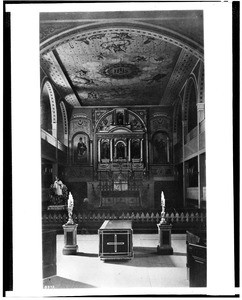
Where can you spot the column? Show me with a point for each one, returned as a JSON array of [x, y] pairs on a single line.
[[184, 131], [200, 112], [54, 130], [129, 150], [141, 149], [91, 149], [168, 149], [200, 117], [99, 150], [95, 155], [147, 151], [54, 133], [115, 151], [111, 149]]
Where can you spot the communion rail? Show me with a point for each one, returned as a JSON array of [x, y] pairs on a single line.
[[142, 222]]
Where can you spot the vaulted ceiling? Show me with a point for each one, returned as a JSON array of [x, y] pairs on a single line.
[[120, 59]]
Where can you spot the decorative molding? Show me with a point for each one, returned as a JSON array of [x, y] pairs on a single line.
[[99, 113], [160, 123], [201, 83], [181, 71], [51, 67], [81, 124], [64, 116], [74, 116], [51, 29], [85, 34]]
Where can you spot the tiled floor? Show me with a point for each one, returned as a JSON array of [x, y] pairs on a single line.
[[146, 269]]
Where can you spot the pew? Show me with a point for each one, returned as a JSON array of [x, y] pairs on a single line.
[[49, 252], [196, 258]]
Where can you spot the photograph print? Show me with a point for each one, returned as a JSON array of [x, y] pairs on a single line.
[[123, 149]]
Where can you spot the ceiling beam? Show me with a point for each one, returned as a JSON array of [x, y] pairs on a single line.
[[63, 69]]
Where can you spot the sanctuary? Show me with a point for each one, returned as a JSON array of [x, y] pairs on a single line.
[[123, 120]]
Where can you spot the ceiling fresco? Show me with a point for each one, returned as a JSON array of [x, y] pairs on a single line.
[[117, 66]]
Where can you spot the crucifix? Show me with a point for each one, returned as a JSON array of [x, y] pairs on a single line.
[[115, 243]]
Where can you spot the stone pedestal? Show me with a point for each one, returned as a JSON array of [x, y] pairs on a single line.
[[164, 247], [70, 234]]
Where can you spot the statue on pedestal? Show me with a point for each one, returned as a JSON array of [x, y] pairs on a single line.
[[164, 230], [163, 203], [70, 205], [70, 230]]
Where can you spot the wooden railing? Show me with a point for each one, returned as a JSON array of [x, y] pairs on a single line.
[[61, 218]]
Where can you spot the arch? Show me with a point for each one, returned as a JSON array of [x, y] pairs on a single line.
[[201, 83], [139, 27], [65, 122], [47, 87], [99, 122], [189, 103], [105, 149], [120, 130], [120, 149]]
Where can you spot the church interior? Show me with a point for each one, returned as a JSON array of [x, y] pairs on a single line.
[[123, 123]]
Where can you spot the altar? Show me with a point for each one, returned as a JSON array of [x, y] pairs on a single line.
[[116, 240], [114, 198]]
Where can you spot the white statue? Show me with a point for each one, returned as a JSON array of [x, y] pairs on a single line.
[[58, 186], [70, 205], [163, 204]]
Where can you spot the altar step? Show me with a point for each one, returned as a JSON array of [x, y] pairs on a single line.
[[146, 269]]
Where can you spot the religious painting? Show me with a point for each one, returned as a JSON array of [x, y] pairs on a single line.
[[105, 149], [80, 148], [120, 150], [160, 143]]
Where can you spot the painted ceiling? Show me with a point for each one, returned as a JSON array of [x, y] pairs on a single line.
[[121, 66]]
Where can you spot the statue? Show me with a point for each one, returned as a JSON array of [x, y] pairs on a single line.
[[58, 186], [58, 193], [70, 205], [163, 203]]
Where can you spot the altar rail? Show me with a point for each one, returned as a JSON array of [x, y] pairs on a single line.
[[142, 222]]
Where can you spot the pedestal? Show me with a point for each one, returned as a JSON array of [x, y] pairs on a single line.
[[70, 233], [164, 247]]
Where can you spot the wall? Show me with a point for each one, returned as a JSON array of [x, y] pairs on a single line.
[[171, 193]]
